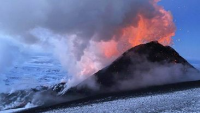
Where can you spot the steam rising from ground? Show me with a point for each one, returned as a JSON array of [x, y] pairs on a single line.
[[86, 35]]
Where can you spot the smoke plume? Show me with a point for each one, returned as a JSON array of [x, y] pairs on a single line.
[[86, 35]]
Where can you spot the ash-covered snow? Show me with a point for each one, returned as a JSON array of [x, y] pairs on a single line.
[[176, 102], [29, 105]]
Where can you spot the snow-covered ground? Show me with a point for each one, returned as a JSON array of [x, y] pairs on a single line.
[[37, 70], [177, 102]]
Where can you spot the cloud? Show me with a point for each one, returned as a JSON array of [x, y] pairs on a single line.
[[86, 29]]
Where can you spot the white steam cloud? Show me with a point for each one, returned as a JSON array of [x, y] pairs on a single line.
[[86, 34]]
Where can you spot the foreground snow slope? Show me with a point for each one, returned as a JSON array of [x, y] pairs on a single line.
[[179, 102]]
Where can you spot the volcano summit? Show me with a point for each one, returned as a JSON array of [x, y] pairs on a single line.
[[142, 66]]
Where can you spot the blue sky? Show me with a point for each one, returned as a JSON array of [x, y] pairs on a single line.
[[186, 15]]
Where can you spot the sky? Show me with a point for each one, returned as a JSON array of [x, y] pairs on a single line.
[[186, 15]]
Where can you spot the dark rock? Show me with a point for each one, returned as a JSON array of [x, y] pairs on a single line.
[[141, 58]]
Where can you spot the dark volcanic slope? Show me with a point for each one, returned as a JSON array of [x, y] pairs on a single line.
[[152, 52], [132, 69]]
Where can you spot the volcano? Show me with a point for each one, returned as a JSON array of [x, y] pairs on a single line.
[[143, 66]]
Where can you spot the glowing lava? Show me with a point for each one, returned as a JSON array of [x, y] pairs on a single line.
[[160, 28], [157, 26]]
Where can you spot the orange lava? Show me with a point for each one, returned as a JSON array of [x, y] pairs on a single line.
[[160, 28]]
